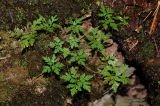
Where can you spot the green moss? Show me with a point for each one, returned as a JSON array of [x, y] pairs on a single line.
[[1, 76], [20, 16], [18, 12], [147, 50]]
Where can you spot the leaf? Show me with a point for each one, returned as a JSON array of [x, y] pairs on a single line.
[[47, 60], [53, 58], [51, 45], [75, 25], [73, 42], [66, 77], [87, 87], [115, 86], [88, 77], [73, 91], [56, 68], [46, 69], [114, 26], [66, 52], [73, 71], [17, 33], [56, 45]]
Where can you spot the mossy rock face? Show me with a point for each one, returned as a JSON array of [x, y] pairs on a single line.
[[53, 95], [16, 89], [16, 13], [139, 46], [10, 80]]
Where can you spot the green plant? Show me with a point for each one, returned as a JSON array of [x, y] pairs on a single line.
[[75, 25], [52, 65], [65, 52], [79, 57], [70, 53], [27, 40], [17, 33], [108, 19], [96, 39], [56, 45], [76, 81], [73, 42], [113, 73], [42, 24], [28, 36]]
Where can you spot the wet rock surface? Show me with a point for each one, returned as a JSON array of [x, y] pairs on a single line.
[[135, 94], [139, 47], [16, 13]]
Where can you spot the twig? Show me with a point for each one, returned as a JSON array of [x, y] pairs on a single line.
[[156, 46], [134, 45], [155, 19], [147, 16]]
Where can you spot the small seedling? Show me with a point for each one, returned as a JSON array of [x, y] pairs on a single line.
[[113, 73], [79, 57], [56, 45], [52, 65], [76, 81], [96, 39], [65, 52], [75, 26], [73, 42], [28, 37], [108, 19]]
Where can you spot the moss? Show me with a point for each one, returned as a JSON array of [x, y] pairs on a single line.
[[157, 101], [146, 51], [18, 12], [1, 76], [53, 96], [10, 81], [20, 16]]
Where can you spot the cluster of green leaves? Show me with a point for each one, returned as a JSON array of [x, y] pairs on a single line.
[[57, 45], [79, 57], [70, 52], [108, 19], [113, 73], [73, 42], [97, 39], [52, 65], [42, 24], [75, 25], [76, 81], [28, 36]]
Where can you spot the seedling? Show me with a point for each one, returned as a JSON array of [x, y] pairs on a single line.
[[79, 57], [28, 37], [75, 26], [73, 42], [113, 73], [76, 81], [96, 39], [108, 20], [56, 45], [52, 65]]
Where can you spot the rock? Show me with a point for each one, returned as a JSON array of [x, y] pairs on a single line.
[[126, 101], [106, 100]]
